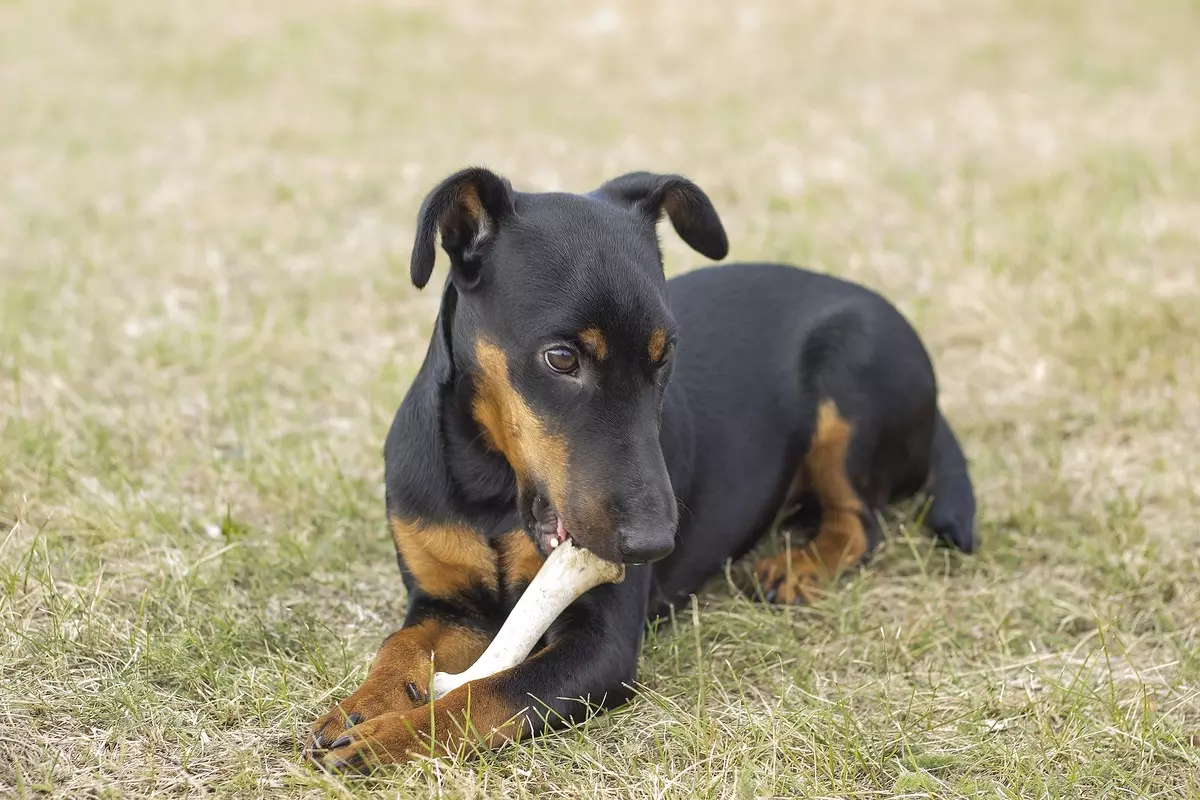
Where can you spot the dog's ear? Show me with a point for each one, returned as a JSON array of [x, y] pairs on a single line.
[[465, 209], [691, 212]]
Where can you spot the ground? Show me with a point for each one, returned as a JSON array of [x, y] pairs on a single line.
[[206, 325]]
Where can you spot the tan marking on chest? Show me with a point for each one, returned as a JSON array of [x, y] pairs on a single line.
[[444, 560], [521, 558]]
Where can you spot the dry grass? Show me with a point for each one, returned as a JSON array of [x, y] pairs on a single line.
[[205, 326]]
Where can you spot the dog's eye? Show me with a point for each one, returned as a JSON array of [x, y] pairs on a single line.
[[667, 354], [562, 359]]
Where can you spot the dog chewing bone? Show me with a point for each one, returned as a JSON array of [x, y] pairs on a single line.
[[569, 571]]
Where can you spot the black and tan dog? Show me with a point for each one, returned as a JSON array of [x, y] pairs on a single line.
[[570, 390]]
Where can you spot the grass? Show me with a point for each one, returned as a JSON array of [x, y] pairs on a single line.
[[206, 325]]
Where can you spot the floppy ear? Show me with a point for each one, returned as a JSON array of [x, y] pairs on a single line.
[[691, 212], [465, 209]]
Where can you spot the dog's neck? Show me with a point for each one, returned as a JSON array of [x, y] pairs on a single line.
[[449, 473]]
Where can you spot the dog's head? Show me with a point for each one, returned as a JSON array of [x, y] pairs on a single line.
[[563, 329]]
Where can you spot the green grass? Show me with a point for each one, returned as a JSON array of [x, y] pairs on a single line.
[[206, 325]]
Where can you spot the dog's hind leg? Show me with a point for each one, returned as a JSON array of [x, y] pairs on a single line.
[[847, 531], [837, 469]]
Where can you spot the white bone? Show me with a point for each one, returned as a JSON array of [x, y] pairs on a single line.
[[569, 571]]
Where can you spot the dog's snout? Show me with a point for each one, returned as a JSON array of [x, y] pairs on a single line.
[[647, 525], [645, 545], [621, 504], [634, 529]]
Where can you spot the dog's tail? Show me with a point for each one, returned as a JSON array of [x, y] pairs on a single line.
[[952, 512]]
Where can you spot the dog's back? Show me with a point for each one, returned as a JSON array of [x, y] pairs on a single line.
[[762, 346]]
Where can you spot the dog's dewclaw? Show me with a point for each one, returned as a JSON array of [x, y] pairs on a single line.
[[569, 571]]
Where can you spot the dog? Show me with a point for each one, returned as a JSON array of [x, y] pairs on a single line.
[[570, 390]]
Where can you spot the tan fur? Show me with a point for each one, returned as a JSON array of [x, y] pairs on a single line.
[[521, 558], [445, 560], [468, 196], [481, 708], [513, 429], [409, 656], [657, 345], [471, 715], [840, 542], [595, 341]]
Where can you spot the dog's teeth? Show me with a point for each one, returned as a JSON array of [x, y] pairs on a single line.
[[553, 543]]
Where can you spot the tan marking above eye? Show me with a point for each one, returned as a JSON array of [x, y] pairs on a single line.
[[595, 341], [657, 345], [513, 429]]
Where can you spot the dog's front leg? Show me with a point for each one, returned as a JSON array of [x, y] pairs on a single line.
[[589, 662], [399, 677]]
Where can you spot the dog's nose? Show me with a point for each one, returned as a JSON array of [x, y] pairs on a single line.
[[644, 545]]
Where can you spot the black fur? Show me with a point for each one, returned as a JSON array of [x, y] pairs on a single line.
[[697, 453]]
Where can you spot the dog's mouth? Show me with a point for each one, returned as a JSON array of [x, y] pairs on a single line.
[[547, 524]]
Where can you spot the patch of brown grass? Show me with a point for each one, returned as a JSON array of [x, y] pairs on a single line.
[[205, 327]]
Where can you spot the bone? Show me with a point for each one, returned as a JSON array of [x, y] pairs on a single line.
[[569, 571]]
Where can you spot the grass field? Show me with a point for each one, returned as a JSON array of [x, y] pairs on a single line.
[[206, 325]]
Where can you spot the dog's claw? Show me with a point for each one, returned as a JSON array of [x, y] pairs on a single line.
[[342, 742], [327, 764], [353, 719], [414, 692]]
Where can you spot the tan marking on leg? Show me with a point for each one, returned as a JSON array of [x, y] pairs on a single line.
[[474, 715], [403, 667], [594, 339], [478, 710], [841, 541], [444, 560]]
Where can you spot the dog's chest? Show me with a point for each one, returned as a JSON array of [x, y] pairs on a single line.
[[449, 561]]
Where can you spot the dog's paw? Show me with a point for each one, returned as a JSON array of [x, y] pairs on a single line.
[[390, 738], [789, 578], [369, 702]]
